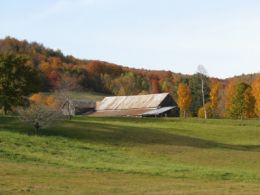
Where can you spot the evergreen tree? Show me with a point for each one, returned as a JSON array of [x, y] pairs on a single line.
[[195, 87]]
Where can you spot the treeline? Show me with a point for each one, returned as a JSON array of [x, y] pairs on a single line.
[[234, 98], [56, 71]]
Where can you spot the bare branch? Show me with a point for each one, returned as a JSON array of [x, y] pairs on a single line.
[[202, 70], [39, 116]]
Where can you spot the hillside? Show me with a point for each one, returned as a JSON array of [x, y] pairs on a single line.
[[57, 71], [115, 155]]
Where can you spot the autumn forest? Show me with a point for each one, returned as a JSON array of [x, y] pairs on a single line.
[[237, 97]]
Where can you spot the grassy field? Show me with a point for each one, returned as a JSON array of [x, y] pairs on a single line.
[[131, 156]]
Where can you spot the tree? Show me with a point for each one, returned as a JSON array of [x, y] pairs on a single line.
[[126, 84], [220, 109], [184, 98], [165, 85], [203, 73], [195, 87], [63, 95], [17, 81], [49, 101], [154, 86], [37, 98], [52, 102], [243, 102], [214, 92], [229, 93], [256, 93], [39, 116], [207, 107], [54, 79]]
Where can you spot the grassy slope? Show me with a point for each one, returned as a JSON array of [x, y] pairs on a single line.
[[86, 95], [115, 155]]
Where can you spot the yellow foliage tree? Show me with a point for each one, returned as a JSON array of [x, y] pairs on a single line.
[[230, 91], [184, 98], [249, 100], [214, 94], [207, 107], [243, 102], [45, 67], [256, 93]]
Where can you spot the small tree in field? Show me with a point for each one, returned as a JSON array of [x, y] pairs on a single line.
[[39, 116]]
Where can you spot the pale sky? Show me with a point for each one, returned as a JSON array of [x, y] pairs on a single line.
[[176, 35]]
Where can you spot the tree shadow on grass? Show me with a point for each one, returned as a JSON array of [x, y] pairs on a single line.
[[119, 134], [12, 124], [129, 135]]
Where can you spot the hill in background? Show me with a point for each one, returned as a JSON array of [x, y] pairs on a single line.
[[58, 71]]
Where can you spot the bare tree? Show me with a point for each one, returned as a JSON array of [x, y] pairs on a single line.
[[65, 102], [203, 73], [62, 93], [39, 116]]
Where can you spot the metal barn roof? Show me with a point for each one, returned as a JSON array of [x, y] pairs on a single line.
[[150, 101], [130, 112]]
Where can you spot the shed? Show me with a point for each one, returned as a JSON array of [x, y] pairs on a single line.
[[161, 104], [78, 107]]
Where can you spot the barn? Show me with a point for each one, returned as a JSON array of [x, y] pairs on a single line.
[[152, 105]]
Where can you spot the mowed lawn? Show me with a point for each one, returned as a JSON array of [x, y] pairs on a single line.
[[131, 156]]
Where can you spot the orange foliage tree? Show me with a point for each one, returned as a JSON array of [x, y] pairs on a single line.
[[41, 99], [184, 98], [51, 101], [45, 67], [256, 93], [37, 98]]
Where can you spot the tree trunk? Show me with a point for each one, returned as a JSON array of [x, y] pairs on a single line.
[[184, 113], [203, 98], [5, 111], [36, 128]]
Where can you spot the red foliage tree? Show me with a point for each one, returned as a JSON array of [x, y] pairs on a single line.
[[155, 86], [54, 79]]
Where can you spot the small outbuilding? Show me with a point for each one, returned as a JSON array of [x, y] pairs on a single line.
[[152, 105], [78, 107]]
